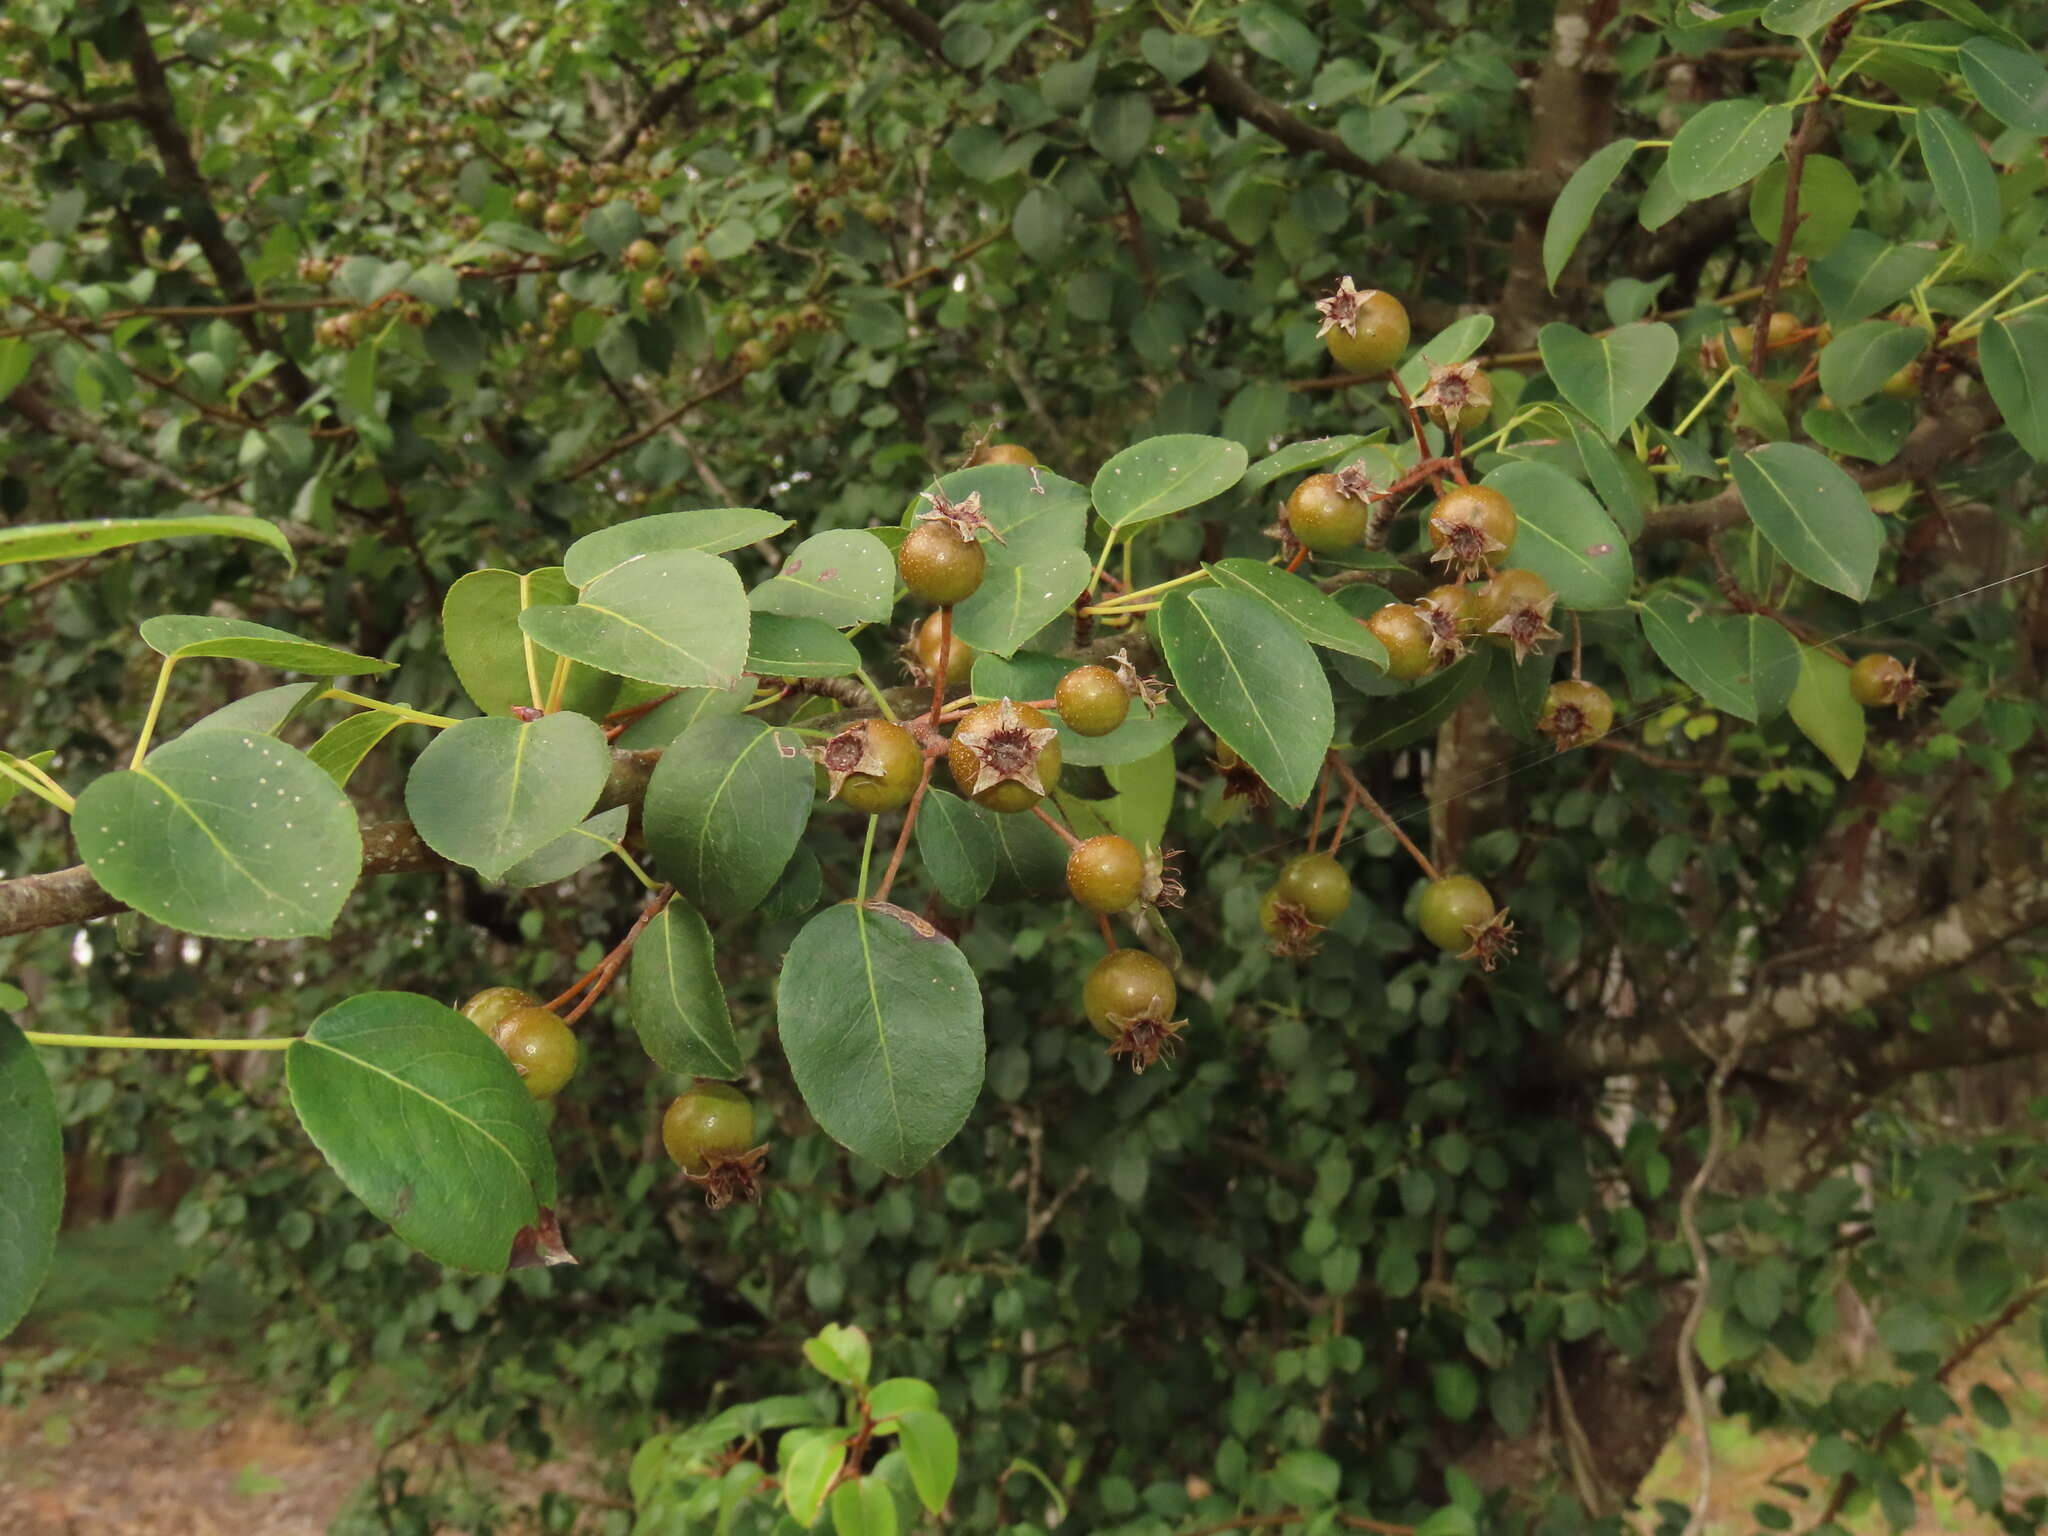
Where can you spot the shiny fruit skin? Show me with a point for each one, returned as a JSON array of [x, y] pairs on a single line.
[[1405, 634], [1092, 701], [925, 649], [541, 1046], [1106, 873], [1479, 505], [1317, 884], [1131, 984], [1460, 602], [711, 1120], [1377, 339], [489, 1007], [641, 255], [1322, 517], [1451, 905], [902, 767], [1507, 592], [938, 566], [1010, 796], [1595, 712], [1003, 453], [1875, 679]]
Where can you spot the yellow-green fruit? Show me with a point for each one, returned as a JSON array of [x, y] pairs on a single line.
[[1002, 453], [902, 766], [1377, 338], [1127, 985], [924, 649], [1575, 713], [1322, 517], [711, 1121], [1318, 885], [1875, 680], [489, 1006], [1405, 634], [938, 566], [1476, 523], [1106, 873], [540, 1046], [1449, 907], [1092, 701]]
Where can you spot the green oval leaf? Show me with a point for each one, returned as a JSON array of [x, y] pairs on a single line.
[[1297, 457], [1176, 55], [809, 1467], [73, 541], [1017, 599], [1565, 536], [676, 1002], [933, 1451], [1726, 143], [780, 646], [343, 746], [2015, 357], [679, 618], [1038, 567], [265, 712], [426, 1122], [1863, 274], [223, 834], [1252, 679], [880, 1017], [1874, 430], [1618, 484], [180, 637], [1826, 712], [1813, 514], [725, 807], [708, 530], [1740, 664], [1802, 18], [32, 1199], [1319, 617], [843, 576], [2012, 85], [1164, 475], [1857, 363], [1962, 176], [864, 1506], [1609, 378], [1572, 214], [480, 630], [488, 792], [1453, 344], [1830, 197], [576, 849], [957, 848]]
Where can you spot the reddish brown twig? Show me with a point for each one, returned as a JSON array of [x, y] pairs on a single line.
[[600, 975], [1364, 797]]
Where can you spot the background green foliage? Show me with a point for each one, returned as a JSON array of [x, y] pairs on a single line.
[[1389, 1242]]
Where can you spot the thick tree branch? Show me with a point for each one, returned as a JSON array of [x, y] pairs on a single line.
[[67, 896], [1860, 977], [158, 112], [1936, 440], [1225, 88]]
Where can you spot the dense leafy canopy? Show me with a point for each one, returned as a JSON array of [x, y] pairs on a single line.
[[555, 386]]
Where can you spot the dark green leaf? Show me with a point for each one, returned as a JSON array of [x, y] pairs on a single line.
[[1864, 273], [1962, 176], [480, 628], [426, 1122], [957, 848], [32, 1198], [1725, 144], [488, 792], [1573, 211], [343, 746], [1176, 55], [1251, 678], [675, 1000], [880, 1017], [843, 576], [1813, 514], [1858, 362], [1830, 197], [1298, 457], [1742, 664], [1163, 475], [1565, 536], [2012, 85], [2014, 354], [678, 618], [1304, 605], [576, 849], [1609, 378], [724, 810], [786, 647], [265, 712], [183, 638], [708, 530], [223, 834]]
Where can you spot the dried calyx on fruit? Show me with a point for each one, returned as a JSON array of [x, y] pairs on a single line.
[[1005, 756], [1457, 398], [1322, 518], [1291, 934], [873, 765], [1409, 637], [1240, 780], [1148, 691], [1161, 887], [1515, 607], [1129, 999], [1469, 526], [1457, 914], [1575, 713], [707, 1131], [1365, 330], [1880, 681], [1450, 613]]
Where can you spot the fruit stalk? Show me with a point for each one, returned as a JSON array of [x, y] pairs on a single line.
[[1364, 797], [924, 782], [600, 975]]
